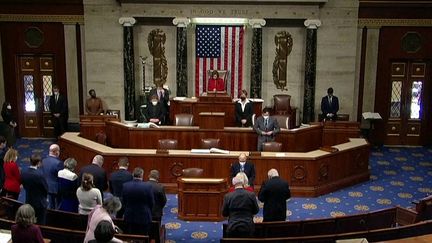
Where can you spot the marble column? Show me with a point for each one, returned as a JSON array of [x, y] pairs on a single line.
[[128, 67], [181, 55], [310, 70], [256, 58]]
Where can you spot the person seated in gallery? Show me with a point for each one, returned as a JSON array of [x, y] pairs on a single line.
[[329, 106], [93, 105], [155, 111], [215, 83], [243, 111], [162, 96]]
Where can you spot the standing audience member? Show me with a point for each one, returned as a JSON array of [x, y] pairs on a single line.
[[246, 183], [36, 188], [9, 120], [12, 182], [155, 111], [104, 233], [93, 105], [329, 105], [99, 213], [274, 193], [163, 98], [242, 165], [51, 165], [99, 174], [3, 150], [240, 206], [87, 195], [67, 187], [243, 111], [25, 230], [138, 204], [118, 178], [158, 194], [267, 127], [59, 110]]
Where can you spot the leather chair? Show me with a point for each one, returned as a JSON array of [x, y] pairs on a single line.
[[282, 120], [192, 172], [101, 137], [167, 144], [183, 119], [208, 143], [272, 147], [282, 104]]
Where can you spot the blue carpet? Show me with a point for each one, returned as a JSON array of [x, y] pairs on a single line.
[[398, 176]]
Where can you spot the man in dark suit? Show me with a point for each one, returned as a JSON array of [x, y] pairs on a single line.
[[138, 203], [243, 111], [267, 127], [329, 106], [51, 165], [274, 193], [158, 194], [155, 111], [242, 165], [99, 174], [163, 98], [240, 206], [36, 188], [59, 110], [118, 178]]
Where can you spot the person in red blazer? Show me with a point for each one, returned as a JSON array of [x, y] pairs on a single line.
[[12, 183], [215, 83]]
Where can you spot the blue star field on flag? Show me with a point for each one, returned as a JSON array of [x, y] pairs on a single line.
[[208, 41]]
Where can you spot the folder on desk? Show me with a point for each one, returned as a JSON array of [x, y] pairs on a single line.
[[208, 151]]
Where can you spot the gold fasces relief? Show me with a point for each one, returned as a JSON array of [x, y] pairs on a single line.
[[156, 45], [284, 44]]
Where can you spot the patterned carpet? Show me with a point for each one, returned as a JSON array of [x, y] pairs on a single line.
[[398, 176]]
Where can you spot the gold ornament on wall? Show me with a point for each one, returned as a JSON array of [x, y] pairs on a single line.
[[156, 44], [284, 43]]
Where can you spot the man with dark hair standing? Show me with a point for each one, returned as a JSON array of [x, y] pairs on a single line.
[[155, 111], [59, 110], [242, 165], [274, 193], [138, 204], [94, 105], [51, 165], [36, 188], [329, 106], [118, 178], [158, 194], [267, 127], [162, 95]]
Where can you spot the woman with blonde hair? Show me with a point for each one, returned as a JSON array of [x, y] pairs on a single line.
[[12, 182], [25, 229], [88, 196]]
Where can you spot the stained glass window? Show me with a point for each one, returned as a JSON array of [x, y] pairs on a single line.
[[416, 89], [47, 90], [396, 95], [29, 98]]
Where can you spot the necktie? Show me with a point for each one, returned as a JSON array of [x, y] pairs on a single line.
[[241, 168], [266, 122], [330, 100], [56, 98]]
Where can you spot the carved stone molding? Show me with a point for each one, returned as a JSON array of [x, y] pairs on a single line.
[[127, 21], [181, 22], [257, 23], [65, 19], [312, 23], [377, 23]]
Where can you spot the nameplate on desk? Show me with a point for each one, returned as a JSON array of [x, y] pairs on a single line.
[[212, 113]]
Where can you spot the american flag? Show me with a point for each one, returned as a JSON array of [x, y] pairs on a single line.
[[220, 48]]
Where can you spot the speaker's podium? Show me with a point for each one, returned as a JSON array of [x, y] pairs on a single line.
[[201, 199]]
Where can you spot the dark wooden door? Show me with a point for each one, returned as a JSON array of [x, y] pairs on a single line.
[[406, 104], [34, 86]]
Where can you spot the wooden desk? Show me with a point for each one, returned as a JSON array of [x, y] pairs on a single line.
[[415, 239], [90, 125], [201, 198]]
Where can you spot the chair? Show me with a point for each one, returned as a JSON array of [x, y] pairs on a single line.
[[223, 74], [282, 104], [272, 147], [282, 120], [208, 143], [101, 137], [167, 143], [192, 172], [183, 119]]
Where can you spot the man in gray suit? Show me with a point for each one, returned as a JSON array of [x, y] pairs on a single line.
[[267, 127]]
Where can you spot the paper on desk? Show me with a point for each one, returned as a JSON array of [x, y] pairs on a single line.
[[371, 116], [5, 237]]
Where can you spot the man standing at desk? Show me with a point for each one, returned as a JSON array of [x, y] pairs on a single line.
[[329, 106], [93, 104], [243, 111], [267, 127], [163, 98], [155, 111], [242, 165]]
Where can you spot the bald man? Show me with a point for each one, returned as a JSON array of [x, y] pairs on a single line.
[[51, 165], [99, 174], [242, 165]]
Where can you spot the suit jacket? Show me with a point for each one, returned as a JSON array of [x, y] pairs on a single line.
[[164, 99], [240, 206], [50, 167], [36, 187], [260, 127], [327, 108], [249, 170], [138, 202], [246, 114], [99, 176], [159, 198], [274, 194], [61, 106], [155, 111], [117, 179]]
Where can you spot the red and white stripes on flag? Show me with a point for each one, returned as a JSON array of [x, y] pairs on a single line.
[[220, 48]]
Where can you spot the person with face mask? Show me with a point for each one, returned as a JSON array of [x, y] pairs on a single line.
[[155, 111], [10, 123], [94, 105], [266, 127], [243, 111], [163, 97], [59, 110]]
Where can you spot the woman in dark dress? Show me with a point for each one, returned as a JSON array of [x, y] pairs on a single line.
[[67, 186], [25, 229], [10, 123]]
